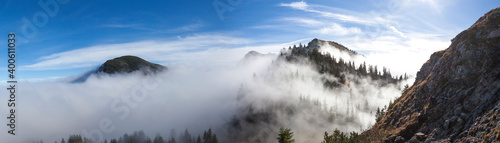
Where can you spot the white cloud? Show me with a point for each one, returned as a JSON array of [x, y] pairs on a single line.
[[305, 21], [401, 55], [336, 29], [120, 25], [342, 17], [397, 31], [296, 5], [393, 35], [211, 49], [187, 28], [266, 27], [150, 50]]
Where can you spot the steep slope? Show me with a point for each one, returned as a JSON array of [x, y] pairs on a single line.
[[455, 97]]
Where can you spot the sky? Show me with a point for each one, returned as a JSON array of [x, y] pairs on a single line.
[[60, 38]]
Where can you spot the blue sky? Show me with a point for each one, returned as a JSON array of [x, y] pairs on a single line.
[[81, 35]]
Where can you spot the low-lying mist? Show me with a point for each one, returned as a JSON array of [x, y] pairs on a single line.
[[200, 97], [293, 95]]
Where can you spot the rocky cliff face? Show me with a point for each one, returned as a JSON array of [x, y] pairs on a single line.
[[455, 96]]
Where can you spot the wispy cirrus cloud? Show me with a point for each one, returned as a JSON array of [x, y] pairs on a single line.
[[212, 49], [390, 32], [337, 29], [188, 28], [386, 20], [324, 27], [338, 16], [184, 28], [120, 25], [305, 21], [150, 49], [397, 31], [296, 5]]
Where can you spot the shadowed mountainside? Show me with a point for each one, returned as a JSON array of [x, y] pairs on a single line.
[[455, 97], [123, 64]]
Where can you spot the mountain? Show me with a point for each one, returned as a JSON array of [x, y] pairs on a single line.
[[334, 59], [127, 64], [252, 56], [317, 43], [456, 94], [310, 88], [123, 64]]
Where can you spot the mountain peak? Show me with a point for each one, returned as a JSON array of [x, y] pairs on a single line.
[[128, 64], [317, 43], [123, 64], [253, 56]]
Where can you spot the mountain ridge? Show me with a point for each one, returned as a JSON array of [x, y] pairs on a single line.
[[455, 97], [129, 64], [317, 43]]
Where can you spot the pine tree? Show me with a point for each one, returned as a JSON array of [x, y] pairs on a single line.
[[75, 139], [285, 136], [172, 140], [405, 89], [337, 137], [62, 140], [158, 139], [378, 114], [208, 137], [186, 137], [214, 139], [198, 140], [327, 138]]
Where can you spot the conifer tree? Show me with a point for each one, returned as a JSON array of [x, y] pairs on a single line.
[[198, 140], [285, 135]]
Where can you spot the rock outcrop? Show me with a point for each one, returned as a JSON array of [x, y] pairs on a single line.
[[455, 97]]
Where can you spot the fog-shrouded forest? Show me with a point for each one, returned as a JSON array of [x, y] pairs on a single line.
[[304, 93]]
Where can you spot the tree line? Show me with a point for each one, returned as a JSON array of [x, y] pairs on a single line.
[[327, 64], [285, 135], [140, 137]]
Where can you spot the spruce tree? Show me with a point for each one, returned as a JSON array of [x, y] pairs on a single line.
[[285, 136]]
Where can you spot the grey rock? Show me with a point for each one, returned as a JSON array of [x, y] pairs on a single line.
[[420, 136], [399, 139]]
